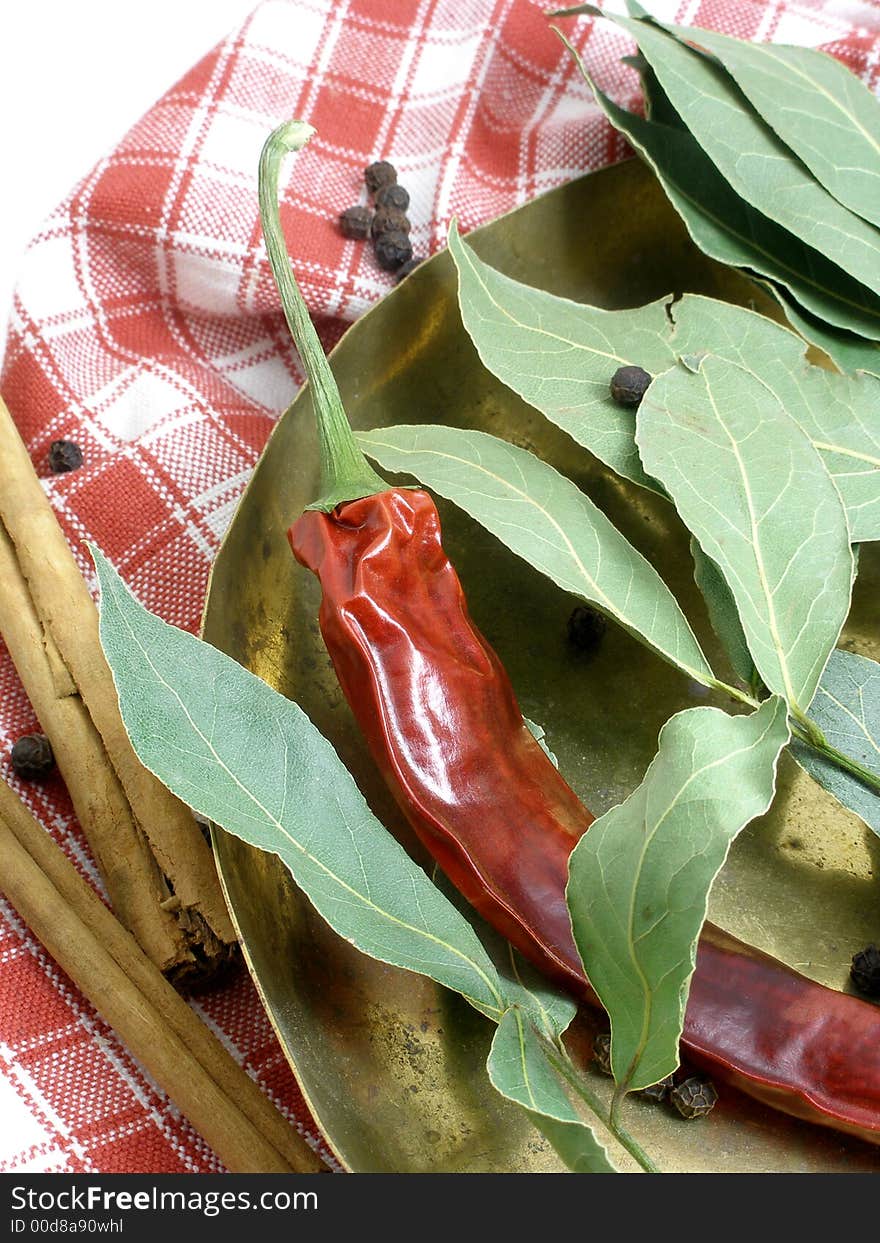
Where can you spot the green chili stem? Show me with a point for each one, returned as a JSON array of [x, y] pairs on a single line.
[[346, 475], [573, 1076]]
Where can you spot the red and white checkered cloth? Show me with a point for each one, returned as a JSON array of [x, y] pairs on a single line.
[[146, 328]]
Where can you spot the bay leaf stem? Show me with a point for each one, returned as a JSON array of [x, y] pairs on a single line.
[[809, 733], [870, 779], [573, 1076]]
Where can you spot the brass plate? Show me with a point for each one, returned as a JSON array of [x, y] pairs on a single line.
[[392, 1065]]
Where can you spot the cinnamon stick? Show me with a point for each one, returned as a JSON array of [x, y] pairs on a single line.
[[63, 608], [184, 1057], [135, 885]]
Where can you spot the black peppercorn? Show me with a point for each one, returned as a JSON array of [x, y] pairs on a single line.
[[392, 250], [32, 756], [409, 266], [64, 455], [628, 385], [865, 971], [393, 196], [586, 627], [380, 174], [695, 1097], [602, 1052], [659, 1091], [356, 222], [389, 219]]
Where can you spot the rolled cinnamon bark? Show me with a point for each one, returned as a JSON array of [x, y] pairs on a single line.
[[184, 1057], [51, 628], [135, 885]]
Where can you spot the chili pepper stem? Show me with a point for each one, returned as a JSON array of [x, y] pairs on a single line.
[[346, 475]]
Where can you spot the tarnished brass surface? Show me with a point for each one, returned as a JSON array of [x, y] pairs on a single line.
[[392, 1065]]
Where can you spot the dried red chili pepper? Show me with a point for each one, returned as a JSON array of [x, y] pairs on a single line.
[[442, 722]]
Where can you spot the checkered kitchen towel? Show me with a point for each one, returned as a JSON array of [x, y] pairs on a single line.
[[146, 328]]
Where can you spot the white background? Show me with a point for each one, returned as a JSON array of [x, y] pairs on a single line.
[[74, 76]]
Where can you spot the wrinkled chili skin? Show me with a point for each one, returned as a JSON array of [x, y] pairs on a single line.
[[441, 719], [786, 1040], [433, 702]]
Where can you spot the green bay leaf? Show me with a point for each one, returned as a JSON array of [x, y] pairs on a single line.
[[549, 1010], [838, 412], [846, 350], [559, 355], [730, 230], [722, 613], [750, 156], [509, 321], [840, 415], [847, 710], [519, 1069], [250, 760], [542, 517], [639, 880], [818, 108], [749, 485]]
